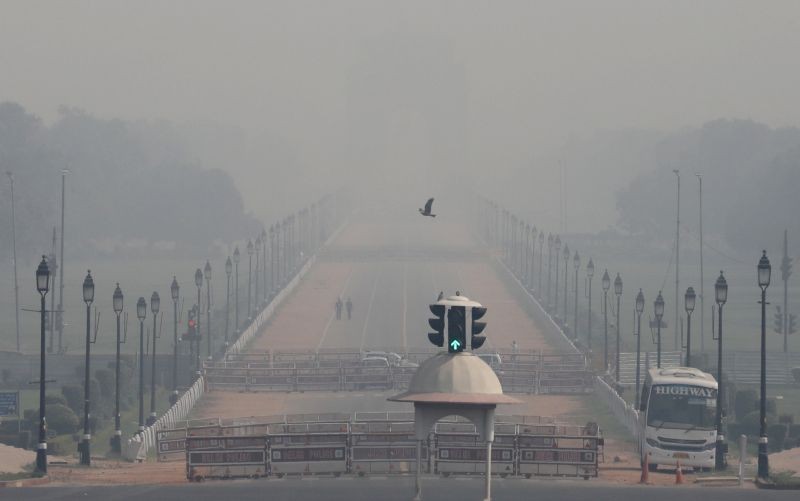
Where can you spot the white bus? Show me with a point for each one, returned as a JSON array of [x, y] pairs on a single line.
[[678, 411]]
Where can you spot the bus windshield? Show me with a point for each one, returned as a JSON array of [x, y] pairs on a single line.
[[682, 407]]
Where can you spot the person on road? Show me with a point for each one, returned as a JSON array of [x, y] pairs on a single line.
[[338, 308], [349, 305]]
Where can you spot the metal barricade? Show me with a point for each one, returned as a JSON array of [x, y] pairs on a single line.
[[226, 457], [458, 451], [546, 450], [309, 448], [384, 447], [366, 378], [566, 382], [171, 445]]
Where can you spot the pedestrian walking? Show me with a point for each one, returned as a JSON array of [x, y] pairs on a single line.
[[349, 305], [338, 308]]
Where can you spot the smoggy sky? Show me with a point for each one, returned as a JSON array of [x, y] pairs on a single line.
[[517, 78]]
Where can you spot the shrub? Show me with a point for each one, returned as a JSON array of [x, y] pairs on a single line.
[[745, 403], [61, 419]]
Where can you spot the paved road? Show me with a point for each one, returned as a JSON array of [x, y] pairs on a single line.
[[391, 489]]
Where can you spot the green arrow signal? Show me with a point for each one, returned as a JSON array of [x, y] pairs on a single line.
[[455, 343]]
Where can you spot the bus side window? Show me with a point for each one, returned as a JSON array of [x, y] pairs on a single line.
[[645, 397]]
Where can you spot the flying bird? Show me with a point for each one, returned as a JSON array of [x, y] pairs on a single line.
[[427, 210]]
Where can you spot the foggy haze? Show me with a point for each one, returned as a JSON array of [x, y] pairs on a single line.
[[290, 97]]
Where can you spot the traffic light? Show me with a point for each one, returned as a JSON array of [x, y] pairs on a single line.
[[778, 320], [477, 327], [191, 332], [437, 324], [792, 323], [456, 329]]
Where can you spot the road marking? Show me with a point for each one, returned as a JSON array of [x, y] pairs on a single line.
[[333, 314], [369, 309], [405, 305]]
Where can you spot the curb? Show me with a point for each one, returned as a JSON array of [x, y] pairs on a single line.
[[25, 482]]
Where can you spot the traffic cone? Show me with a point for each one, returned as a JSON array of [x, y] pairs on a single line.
[[644, 479], [678, 474]]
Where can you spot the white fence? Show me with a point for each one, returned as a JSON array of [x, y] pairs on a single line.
[[622, 410]]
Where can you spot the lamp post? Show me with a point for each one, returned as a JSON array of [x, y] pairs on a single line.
[[764, 272], [228, 272], [174, 290], [576, 262], [557, 252], [658, 309], [566, 282], [639, 310], [541, 254], [207, 271], [721, 295], [689, 301], [618, 292], [527, 254], [533, 257], [236, 258], [257, 272], [549, 268], [198, 281], [88, 298], [606, 282], [264, 263], [273, 257], [155, 305], [141, 313], [589, 275], [116, 439], [250, 250], [42, 285]]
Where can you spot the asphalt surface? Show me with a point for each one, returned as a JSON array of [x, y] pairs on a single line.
[[391, 489]]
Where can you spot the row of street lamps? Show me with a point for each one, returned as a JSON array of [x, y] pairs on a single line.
[[520, 254], [287, 247]]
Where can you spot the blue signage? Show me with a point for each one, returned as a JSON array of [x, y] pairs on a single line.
[[9, 403]]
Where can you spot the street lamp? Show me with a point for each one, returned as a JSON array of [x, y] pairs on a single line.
[[541, 253], [207, 271], [589, 275], [533, 258], [257, 271], [557, 252], [618, 292], [116, 439], [658, 309], [198, 281], [141, 313], [273, 257], [606, 282], [689, 301], [549, 268], [88, 298], [42, 285], [764, 272], [576, 262], [155, 305], [174, 290], [250, 251], [527, 254], [639, 310], [721, 295], [228, 271], [236, 258], [264, 263], [566, 282]]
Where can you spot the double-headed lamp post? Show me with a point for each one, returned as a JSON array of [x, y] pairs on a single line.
[[549, 270], [589, 275], [228, 272], [116, 439], [250, 251], [557, 249], [689, 302], [764, 273], [174, 291], [198, 281], [658, 310], [42, 286], [207, 272], [155, 306], [566, 281], [721, 296], [576, 262], [606, 282], [618, 292], [88, 298], [639, 310], [141, 313]]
